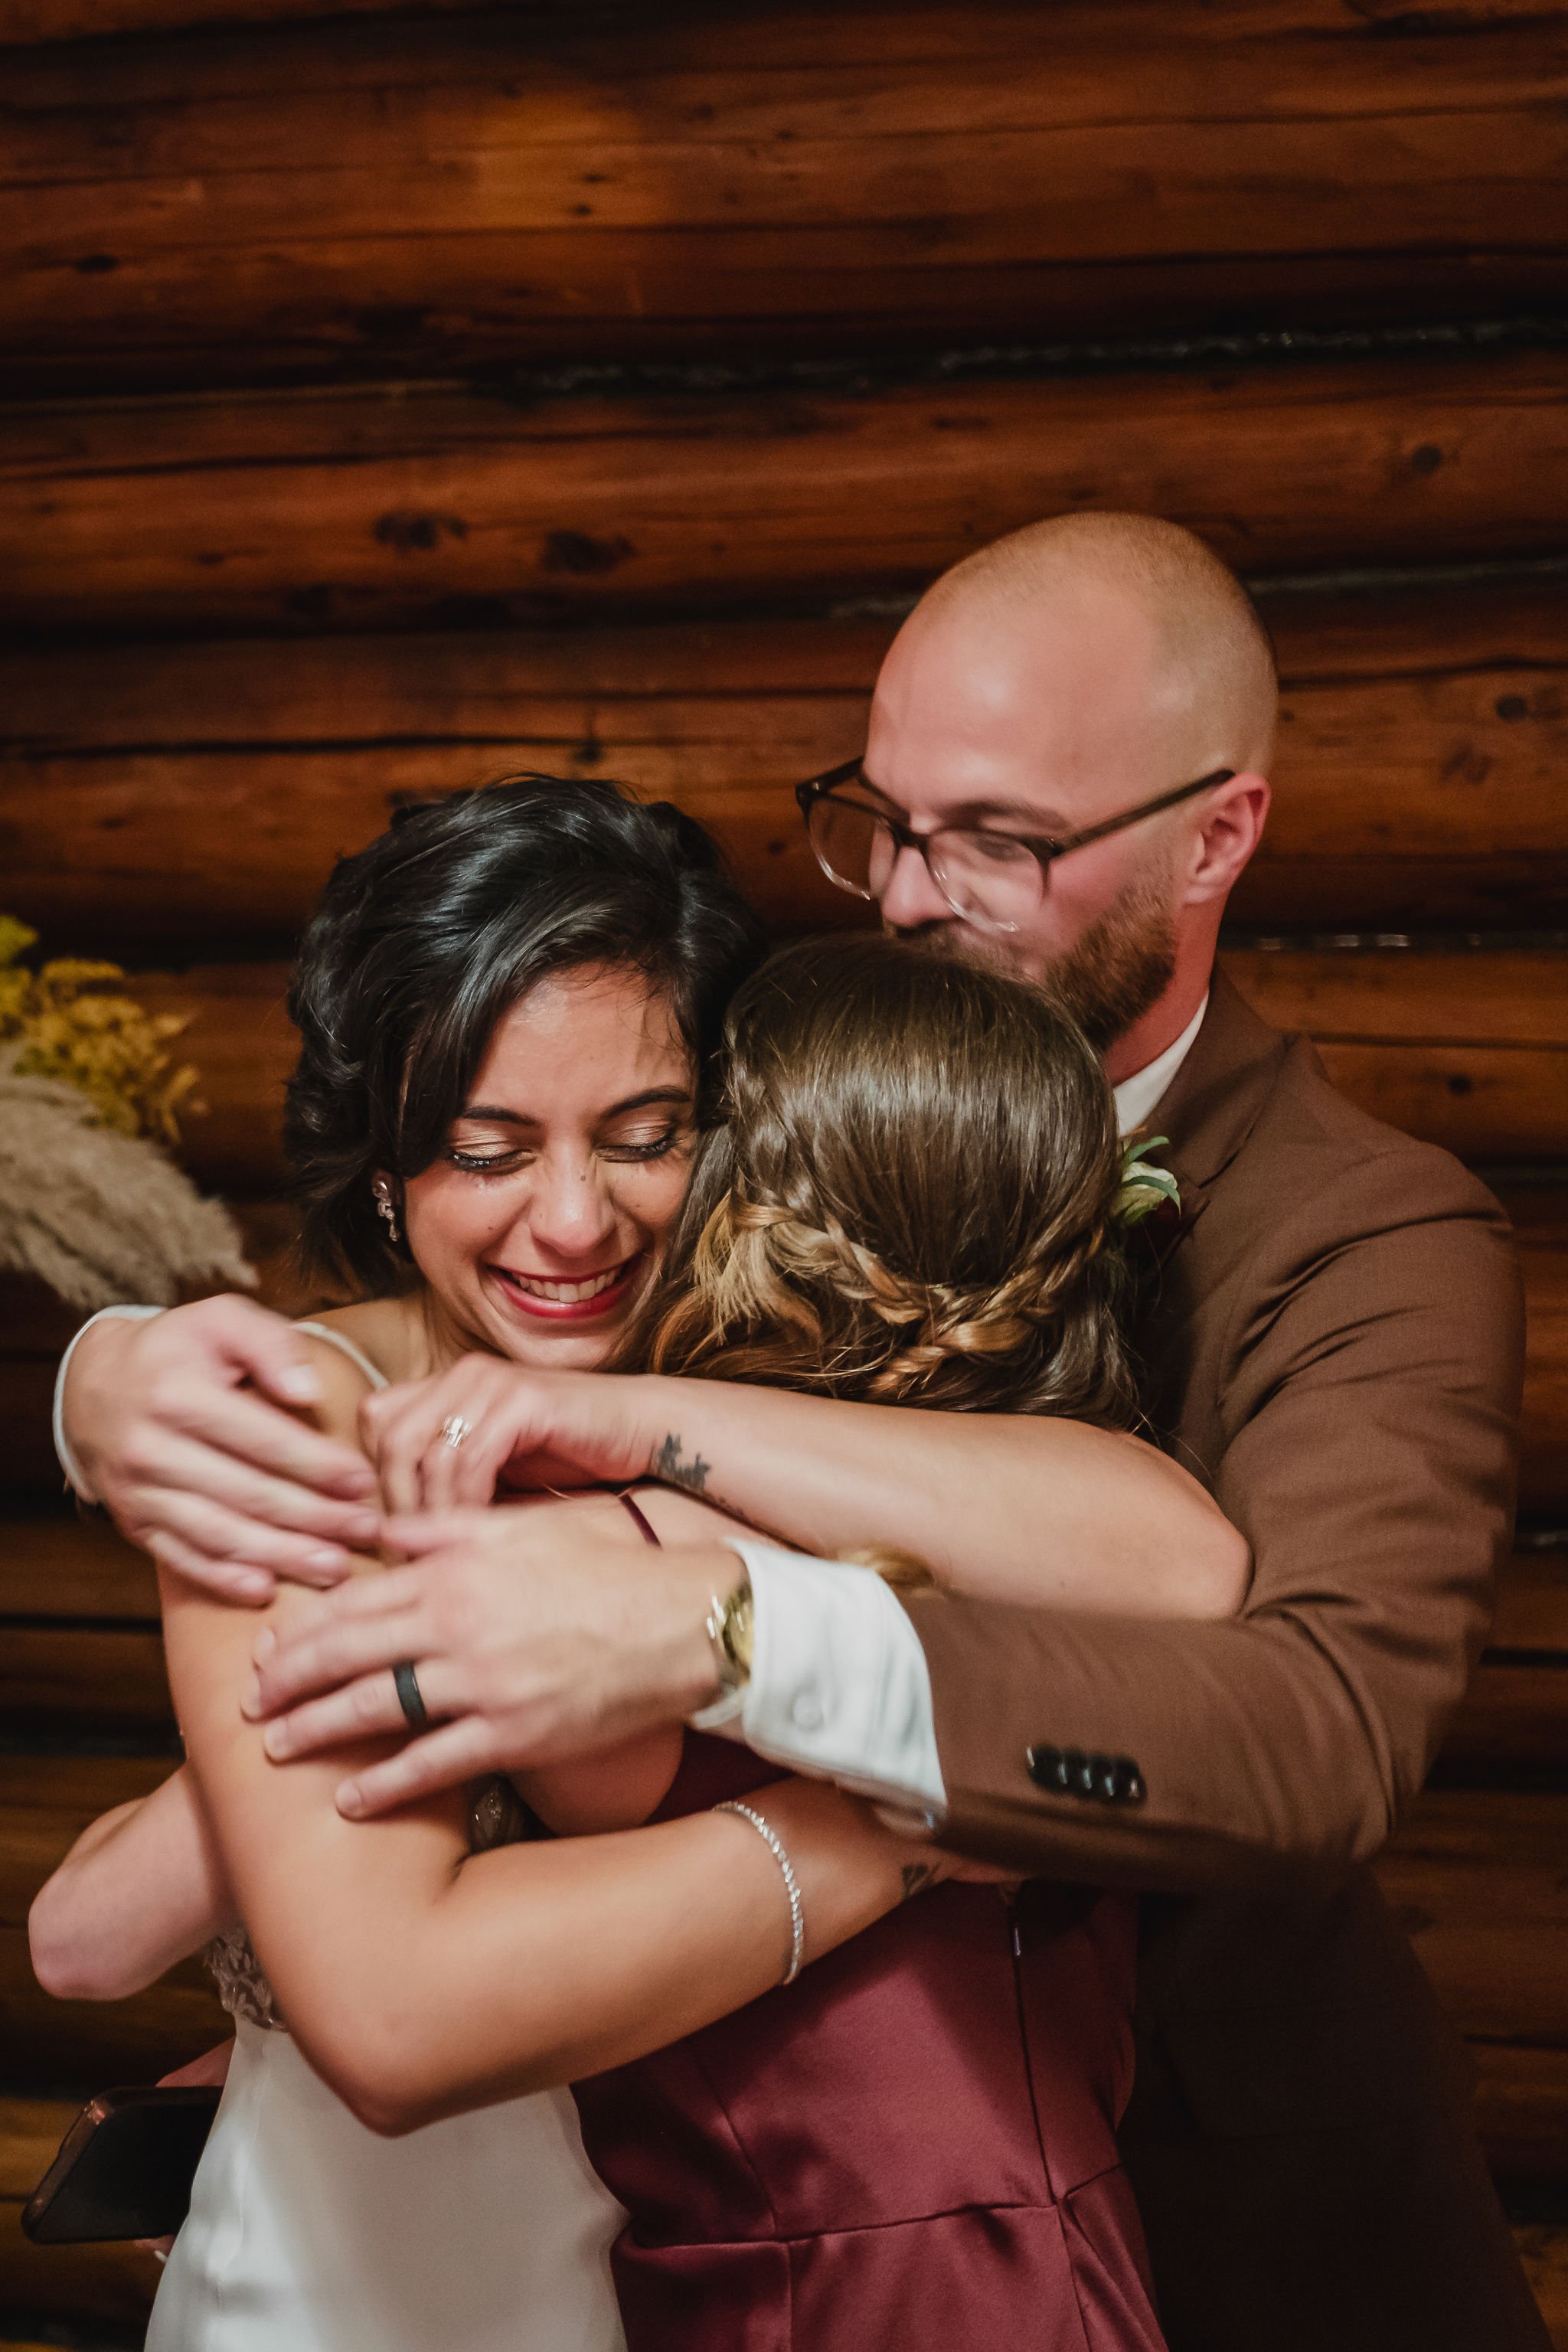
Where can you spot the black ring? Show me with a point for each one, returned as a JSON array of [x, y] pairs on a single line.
[[409, 1699]]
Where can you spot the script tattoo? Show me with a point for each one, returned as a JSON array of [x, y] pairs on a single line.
[[917, 1874], [668, 1463]]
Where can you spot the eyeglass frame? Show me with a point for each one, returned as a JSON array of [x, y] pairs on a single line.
[[1043, 848]]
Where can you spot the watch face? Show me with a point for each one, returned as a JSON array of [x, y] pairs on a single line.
[[737, 1634]]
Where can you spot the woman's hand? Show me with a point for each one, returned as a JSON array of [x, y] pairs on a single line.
[[517, 1428]]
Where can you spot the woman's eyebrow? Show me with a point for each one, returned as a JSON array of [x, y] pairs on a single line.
[[500, 1116]]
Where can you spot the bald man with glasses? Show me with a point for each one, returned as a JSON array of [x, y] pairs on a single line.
[[1066, 773]]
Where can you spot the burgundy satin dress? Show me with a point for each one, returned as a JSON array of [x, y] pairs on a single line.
[[912, 2146]]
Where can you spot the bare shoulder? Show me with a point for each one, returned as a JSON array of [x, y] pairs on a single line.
[[390, 1333], [343, 1388], [357, 1349]]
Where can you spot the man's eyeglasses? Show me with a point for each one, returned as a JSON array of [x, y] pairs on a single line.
[[995, 880]]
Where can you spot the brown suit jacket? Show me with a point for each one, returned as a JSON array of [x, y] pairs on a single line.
[[1333, 1337]]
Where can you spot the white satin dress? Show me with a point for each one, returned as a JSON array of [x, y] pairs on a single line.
[[488, 2232]]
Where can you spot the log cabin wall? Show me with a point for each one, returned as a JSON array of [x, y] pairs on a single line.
[[394, 396]]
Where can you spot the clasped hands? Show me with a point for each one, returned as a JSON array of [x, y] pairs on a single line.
[[538, 1633]]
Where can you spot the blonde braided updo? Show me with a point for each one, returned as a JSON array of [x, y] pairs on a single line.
[[911, 1201]]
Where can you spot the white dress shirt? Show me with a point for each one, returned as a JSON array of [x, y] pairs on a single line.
[[839, 1686]]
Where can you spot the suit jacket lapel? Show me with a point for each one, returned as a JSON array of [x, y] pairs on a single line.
[[1211, 1107]]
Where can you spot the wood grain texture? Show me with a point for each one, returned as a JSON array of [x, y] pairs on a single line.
[[379, 508], [25, 22], [53, 1564], [1544, 1457], [1476, 1878], [88, 1678], [160, 796], [462, 190], [29, 21], [1222, 21]]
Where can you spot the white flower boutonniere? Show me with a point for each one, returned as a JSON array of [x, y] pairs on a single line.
[[1145, 1188]]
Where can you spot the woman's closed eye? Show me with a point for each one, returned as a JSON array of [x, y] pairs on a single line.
[[650, 1143], [642, 1142]]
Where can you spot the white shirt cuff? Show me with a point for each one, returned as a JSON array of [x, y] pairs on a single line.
[[75, 1475], [839, 1686]]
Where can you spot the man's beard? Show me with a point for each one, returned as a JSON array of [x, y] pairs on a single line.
[[1120, 968]]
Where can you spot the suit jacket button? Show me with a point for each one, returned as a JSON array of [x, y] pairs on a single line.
[[1047, 1766], [1080, 1773], [1127, 1782], [1103, 1775]]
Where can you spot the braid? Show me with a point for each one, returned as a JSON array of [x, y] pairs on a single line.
[[771, 1293]]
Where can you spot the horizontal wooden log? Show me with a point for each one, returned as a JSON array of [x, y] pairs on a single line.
[[1522, 2108], [28, 21], [1514, 1719], [55, 1565], [85, 1677], [46, 1802], [1532, 1602], [320, 511], [1469, 1050], [156, 795], [478, 190], [1476, 1878]]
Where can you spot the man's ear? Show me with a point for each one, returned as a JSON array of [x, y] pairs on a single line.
[[1232, 826]]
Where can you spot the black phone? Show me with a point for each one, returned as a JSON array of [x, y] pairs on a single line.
[[125, 2166]]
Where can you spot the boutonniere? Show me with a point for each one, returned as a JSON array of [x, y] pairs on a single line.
[[1145, 1191]]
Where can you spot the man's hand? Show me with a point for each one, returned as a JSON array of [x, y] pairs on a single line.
[[172, 1422], [519, 1428], [537, 1634]]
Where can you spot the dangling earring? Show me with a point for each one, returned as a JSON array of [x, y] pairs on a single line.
[[382, 1190]]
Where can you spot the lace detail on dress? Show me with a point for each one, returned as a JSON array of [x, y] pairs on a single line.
[[497, 1816], [241, 1986]]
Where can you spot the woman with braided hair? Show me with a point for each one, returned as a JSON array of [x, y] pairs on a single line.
[[913, 1198]]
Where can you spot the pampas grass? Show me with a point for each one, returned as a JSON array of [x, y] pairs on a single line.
[[98, 1215]]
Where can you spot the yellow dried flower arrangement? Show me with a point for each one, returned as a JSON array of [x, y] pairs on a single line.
[[61, 1024]]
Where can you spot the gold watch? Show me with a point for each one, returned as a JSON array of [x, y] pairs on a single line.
[[730, 1632]]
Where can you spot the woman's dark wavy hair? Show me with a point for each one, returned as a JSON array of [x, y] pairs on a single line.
[[425, 940]]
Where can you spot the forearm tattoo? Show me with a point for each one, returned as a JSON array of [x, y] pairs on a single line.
[[669, 1464]]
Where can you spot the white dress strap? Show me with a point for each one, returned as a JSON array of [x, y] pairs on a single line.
[[356, 1356]]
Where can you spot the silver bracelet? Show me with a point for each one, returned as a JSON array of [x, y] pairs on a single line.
[[776, 1846]]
